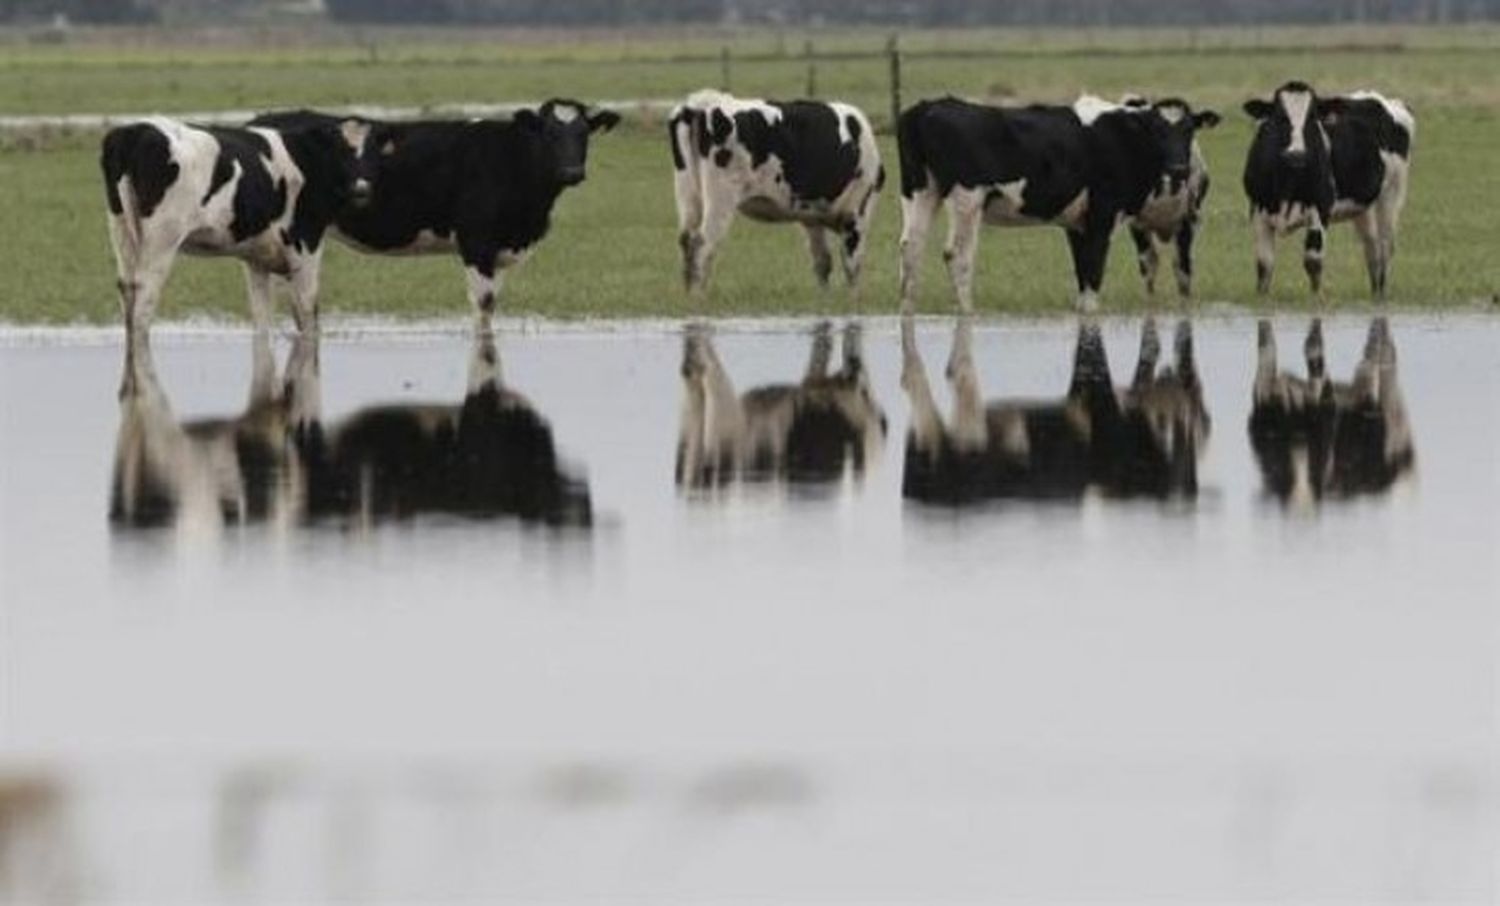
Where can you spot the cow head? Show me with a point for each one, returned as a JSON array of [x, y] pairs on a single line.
[[1289, 118], [1173, 125], [335, 161], [563, 128]]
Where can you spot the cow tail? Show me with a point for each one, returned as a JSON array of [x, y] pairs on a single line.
[[914, 173], [117, 159]]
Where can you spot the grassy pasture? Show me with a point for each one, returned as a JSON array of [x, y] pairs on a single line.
[[612, 251]]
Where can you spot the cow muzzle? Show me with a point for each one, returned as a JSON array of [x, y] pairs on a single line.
[[571, 176], [1297, 160], [361, 192]]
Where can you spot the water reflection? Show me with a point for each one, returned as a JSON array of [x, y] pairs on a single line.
[[810, 432], [1142, 440], [1315, 437], [491, 455]]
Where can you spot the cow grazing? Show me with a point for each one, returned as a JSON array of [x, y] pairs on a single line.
[[1084, 167], [1143, 441], [809, 162], [263, 195], [808, 433], [483, 188], [492, 455], [1315, 161], [1316, 438], [1172, 212]]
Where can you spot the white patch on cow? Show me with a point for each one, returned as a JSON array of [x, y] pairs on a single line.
[[512, 257], [565, 113], [1297, 104], [1072, 215], [1089, 108], [355, 133], [1172, 113], [1003, 206]]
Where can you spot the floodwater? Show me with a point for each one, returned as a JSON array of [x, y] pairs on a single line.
[[681, 614]]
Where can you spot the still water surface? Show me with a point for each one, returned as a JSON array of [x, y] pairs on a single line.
[[692, 615]]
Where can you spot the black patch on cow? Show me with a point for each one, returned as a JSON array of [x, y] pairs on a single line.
[[1314, 241], [851, 122], [818, 166], [723, 156], [260, 197], [681, 119], [1270, 181], [223, 173], [141, 152]]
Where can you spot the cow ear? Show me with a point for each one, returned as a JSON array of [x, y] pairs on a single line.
[[1259, 109], [1205, 119], [527, 118], [603, 119]]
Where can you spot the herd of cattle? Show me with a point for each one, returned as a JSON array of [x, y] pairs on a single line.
[[268, 192], [492, 453]]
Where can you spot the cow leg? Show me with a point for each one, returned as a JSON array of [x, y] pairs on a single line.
[[1183, 265], [262, 296], [1265, 250], [262, 370], [690, 441], [1150, 354], [482, 280], [853, 349], [917, 213], [965, 213], [1367, 225], [1387, 216], [817, 246], [1312, 348], [1090, 251], [143, 278], [926, 424], [305, 278], [1146, 257], [822, 352], [970, 428], [1265, 362], [856, 237], [1312, 253], [718, 215], [1187, 362]]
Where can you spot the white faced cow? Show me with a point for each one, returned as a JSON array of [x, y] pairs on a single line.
[[806, 432], [262, 195], [1084, 168], [1318, 160], [1172, 212], [809, 162]]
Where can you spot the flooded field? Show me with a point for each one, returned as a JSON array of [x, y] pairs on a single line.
[[938, 612]]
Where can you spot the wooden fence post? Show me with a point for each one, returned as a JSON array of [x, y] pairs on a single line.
[[893, 51]]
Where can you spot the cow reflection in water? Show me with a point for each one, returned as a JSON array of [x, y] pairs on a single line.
[[1140, 441], [1315, 437], [810, 432], [492, 455]]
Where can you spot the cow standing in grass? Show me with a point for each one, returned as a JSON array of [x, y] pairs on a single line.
[[814, 163], [1144, 440], [1172, 213], [1085, 168], [482, 188], [263, 195], [1315, 161]]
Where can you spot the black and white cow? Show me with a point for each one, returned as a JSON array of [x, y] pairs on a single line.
[[1173, 211], [815, 163], [1142, 441], [1315, 161], [263, 195], [1316, 438], [1085, 167], [279, 461], [810, 432], [484, 188]]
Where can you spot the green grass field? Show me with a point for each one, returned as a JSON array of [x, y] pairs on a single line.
[[612, 252]]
